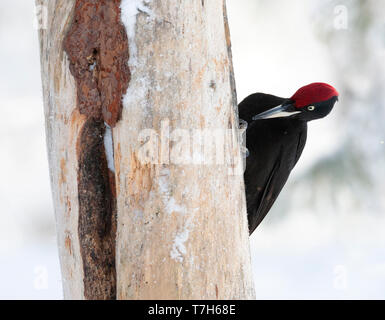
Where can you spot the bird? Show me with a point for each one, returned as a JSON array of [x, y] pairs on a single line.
[[276, 131]]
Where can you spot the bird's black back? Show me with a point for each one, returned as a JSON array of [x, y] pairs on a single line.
[[275, 146], [257, 103]]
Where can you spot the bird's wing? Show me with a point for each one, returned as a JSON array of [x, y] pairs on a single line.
[[301, 144], [267, 169], [261, 198], [257, 103], [260, 201]]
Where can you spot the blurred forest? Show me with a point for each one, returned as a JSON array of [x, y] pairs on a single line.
[[323, 238]]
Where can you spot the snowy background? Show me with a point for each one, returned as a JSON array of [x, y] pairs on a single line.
[[324, 238]]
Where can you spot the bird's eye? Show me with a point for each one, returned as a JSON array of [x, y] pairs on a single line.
[[311, 108]]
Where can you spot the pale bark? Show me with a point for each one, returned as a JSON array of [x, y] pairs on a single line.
[[181, 229], [63, 125]]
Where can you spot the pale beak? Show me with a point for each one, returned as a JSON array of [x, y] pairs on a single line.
[[284, 110]]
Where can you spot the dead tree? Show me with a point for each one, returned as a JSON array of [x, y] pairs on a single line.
[[135, 222]]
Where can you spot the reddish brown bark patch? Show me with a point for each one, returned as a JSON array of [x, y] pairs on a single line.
[[97, 48]]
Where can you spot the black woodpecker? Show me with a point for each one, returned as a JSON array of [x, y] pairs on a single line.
[[275, 137]]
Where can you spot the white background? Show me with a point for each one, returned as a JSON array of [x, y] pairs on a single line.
[[324, 237]]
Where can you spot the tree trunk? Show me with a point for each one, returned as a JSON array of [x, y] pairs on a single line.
[[148, 192]]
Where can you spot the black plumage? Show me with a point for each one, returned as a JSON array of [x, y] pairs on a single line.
[[275, 145]]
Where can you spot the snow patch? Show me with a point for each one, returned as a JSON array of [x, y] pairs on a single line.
[[92, 66], [139, 83], [178, 247], [109, 147], [172, 206], [129, 10], [136, 92], [163, 182], [165, 192]]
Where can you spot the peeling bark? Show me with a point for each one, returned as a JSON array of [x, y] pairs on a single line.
[[97, 47]]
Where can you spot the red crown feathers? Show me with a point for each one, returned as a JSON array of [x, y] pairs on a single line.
[[313, 93]]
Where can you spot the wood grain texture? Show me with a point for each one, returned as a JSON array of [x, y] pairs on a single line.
[[182, 229], [63, 126]]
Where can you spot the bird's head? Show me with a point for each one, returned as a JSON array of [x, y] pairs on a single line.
[[310, 102]]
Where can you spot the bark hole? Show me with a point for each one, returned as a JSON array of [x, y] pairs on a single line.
[[97, 214]]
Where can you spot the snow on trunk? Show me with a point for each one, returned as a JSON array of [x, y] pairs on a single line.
[[181, 217], [182, 230]]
